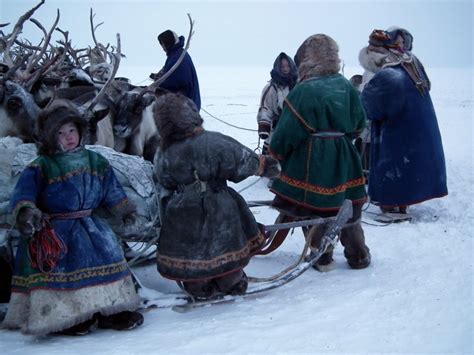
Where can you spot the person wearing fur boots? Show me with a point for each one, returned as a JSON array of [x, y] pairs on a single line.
[[283, 79], [70, 274], [313, 142], [407, 164], [208, 232]]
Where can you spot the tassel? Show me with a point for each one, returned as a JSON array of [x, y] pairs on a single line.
[[46, 249]]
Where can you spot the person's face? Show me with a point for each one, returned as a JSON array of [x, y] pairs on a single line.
[[68, 136], [284, 67], [399, 41]]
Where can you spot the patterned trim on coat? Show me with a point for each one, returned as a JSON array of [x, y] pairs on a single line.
[[299, 117], [319, 189], [248, 250], [311, 207], [77, 275]]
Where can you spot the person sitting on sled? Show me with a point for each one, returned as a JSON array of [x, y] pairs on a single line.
[[407, 164], [70, 273], [313, 142], [208, 232]]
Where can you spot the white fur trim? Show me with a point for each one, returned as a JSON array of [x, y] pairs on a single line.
[[45, 311]]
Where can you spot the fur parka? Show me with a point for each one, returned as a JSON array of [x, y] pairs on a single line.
[[207, 228]]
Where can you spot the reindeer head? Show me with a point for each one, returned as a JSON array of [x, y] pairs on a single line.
[[129, 112], [18, 111]]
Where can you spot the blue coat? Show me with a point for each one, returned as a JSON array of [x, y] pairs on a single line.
[[63, 183], [184, 79], [407, 163]]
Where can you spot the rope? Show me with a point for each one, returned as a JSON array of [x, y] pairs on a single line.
[[229, 124], [46, 249], [250, 185], [289, 268]]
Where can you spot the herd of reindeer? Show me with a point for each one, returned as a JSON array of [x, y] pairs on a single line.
[[119, 115]]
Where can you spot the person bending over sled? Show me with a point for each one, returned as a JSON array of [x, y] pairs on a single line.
[[70, 273], [208, 232]]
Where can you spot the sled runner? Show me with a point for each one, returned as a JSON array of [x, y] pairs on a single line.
[[180, 302], [390, 217]]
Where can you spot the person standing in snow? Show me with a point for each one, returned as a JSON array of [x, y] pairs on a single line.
[[283, 79], [73, 277], [407, 164], [313, 142], [208, 232], [184, 79]]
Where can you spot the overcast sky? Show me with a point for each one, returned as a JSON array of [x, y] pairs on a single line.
[[254, 33]]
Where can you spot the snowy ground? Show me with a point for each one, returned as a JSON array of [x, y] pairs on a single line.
[[416, 296]]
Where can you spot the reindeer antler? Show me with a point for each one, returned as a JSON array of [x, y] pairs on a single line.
[[115, 62], [10, 39]]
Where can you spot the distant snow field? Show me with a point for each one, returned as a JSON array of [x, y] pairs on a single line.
[[415, 297]]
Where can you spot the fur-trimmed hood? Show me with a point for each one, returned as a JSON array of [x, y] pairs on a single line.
[[370, 60], [50, 119], [317, 56], [383, 51], [176, 118]]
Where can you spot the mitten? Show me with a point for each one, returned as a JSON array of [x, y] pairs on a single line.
[[153, 76], [263, 130], [269, 166], [128, 214], [130, 219], [28, 221]]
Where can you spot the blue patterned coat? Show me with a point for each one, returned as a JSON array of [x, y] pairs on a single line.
[[64, 183]]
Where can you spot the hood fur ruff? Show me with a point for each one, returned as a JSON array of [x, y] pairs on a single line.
[[317, 56], [374, 58], [50, 119], [176, 118]]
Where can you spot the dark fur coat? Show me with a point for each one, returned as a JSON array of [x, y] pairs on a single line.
[[207, 228]]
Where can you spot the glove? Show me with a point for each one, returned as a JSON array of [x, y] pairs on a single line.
[[153, 76], [28, 221], [269, 166], [263, 130], [130, 219]]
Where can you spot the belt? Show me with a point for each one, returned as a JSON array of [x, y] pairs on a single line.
[[69, 215], [328, 134]]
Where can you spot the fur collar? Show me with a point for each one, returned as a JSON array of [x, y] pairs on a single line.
[[374, 58]]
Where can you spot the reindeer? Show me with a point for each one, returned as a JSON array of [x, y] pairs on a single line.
[[18, 111], [24, 64]]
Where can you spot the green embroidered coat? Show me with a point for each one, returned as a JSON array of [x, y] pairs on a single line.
[[313, 141]]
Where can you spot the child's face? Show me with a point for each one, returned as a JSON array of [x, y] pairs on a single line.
[[68, 136]]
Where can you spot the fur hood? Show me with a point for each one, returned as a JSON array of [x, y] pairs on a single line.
[[317, 56], [176, 118], [50, 119], [371, 61]]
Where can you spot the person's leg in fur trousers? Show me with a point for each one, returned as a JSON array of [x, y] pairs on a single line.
[[126, 320]]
